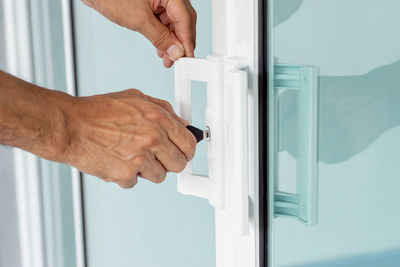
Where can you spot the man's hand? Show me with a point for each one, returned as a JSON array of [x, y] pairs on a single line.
[[116, 136], [120, 136], [170, 25]]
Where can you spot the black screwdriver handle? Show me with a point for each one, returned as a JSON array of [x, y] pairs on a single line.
[[198, 133]]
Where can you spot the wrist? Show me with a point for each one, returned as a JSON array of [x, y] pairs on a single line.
[[61, 132], [47, 124], [35, 119]]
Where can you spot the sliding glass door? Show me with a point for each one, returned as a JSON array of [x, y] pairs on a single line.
[[333, 132]]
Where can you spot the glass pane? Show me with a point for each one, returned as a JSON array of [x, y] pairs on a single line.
[[150, 225], [355, 46]]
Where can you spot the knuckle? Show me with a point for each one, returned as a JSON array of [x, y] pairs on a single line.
[[139, 161], [134, 91], [180, 167], [156, 114], [127, 185], [153, 139], [161, 177], [167, 105], [122, 175], [160, 39]]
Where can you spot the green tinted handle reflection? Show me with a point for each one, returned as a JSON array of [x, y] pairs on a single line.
[[303, 204]]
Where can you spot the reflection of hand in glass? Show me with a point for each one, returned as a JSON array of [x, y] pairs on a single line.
[[353, 112]]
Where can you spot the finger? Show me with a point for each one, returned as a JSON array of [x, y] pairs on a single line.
[[153, 170], [162, 38], [167, 63], [128, 184], [168, 107], [172, 159], [194, 23], [180, 136], [160, 53], [181, 17], [165, 19]]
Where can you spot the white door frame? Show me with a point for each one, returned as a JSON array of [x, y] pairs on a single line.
[[234, 24]]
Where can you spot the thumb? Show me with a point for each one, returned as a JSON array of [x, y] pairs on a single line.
[[163, 38]]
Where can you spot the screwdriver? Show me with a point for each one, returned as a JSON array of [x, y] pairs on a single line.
[[199, 133]]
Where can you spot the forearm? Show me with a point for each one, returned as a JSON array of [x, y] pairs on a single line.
[[116, 136], [33, 118]]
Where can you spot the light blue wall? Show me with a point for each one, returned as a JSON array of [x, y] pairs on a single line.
[[150, 225], [355, 45]]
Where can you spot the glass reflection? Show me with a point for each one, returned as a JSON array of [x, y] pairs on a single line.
[[353, 110]]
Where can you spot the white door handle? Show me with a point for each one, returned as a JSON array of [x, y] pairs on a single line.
[[226, 185], [210, 71]]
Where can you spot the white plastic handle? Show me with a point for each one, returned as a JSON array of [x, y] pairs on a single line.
[[210, 71], [226, 185]]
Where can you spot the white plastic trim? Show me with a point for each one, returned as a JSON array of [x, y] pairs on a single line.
[[27, 178], [76, 177]]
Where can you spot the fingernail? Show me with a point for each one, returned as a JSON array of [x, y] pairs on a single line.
[[174, 52]]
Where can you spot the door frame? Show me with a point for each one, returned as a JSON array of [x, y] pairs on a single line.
[[238, 36]]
